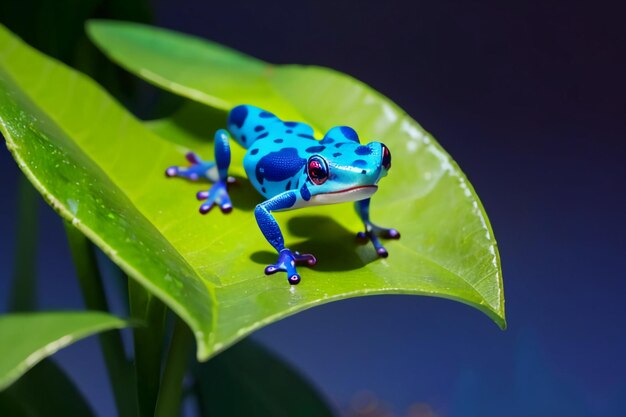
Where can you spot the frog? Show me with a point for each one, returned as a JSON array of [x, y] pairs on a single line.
[[292, 169]]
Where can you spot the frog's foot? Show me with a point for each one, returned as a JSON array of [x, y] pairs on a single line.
[[217, 195], [373, 232], [198, 168], [287, 262]]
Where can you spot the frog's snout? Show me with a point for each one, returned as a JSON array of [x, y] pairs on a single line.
[[381, 162]]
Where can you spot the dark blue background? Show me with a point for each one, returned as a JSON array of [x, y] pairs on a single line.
[[529, 98]]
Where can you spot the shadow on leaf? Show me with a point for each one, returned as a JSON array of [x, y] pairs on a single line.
[[333, 245], [243, 194]]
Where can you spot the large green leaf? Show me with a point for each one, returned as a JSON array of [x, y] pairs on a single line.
[[102, 169], [27, 338], [446, 222]]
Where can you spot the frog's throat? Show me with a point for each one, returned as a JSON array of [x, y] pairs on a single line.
[[351, 194]]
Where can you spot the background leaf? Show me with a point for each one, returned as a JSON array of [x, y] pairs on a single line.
[[28, 338], [248, 380], [103, 170], [44, 391]]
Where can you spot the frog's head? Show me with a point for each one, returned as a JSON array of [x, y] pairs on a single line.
[[349, 172]]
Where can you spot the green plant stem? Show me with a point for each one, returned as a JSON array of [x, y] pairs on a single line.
[[23, 288], [148, 342], [170, 394], [90, 280]]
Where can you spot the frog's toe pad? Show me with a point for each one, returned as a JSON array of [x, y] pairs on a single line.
[[362, 238], [189, 173], [304, 259], [224, 207], [193, 158], [390, 234]]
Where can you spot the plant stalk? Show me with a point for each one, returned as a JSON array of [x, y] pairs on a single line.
[[92, 288], [170, 394], [23, 294], [150, 312]]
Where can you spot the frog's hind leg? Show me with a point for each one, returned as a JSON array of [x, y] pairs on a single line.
[[373, 232], [216, 172]]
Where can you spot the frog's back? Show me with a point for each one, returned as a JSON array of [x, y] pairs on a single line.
[[276, 155], [248, 124]]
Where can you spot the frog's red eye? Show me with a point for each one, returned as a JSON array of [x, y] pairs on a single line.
[[386, 158], [317, 170]]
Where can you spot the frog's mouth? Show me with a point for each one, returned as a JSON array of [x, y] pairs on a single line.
[[351, 194]]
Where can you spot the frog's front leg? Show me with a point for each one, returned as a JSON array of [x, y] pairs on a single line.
[[372, 231], [216, 172], [287, 260]]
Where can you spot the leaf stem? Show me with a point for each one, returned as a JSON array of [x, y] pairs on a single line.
[[148, 343], [170, 394], [90, 280], [23, 288]]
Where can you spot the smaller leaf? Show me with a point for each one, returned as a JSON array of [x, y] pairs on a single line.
[[29, 338], [61, 398], [248, 380]]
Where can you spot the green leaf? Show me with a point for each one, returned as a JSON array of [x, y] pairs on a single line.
[[248, 380], [448, 229], [60, 396], [102, 169], [65, 131], [30, 337]]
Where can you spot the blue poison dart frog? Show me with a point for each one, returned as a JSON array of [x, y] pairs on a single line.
[[292, 169]]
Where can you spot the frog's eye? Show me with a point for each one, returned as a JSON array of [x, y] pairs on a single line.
[[317, 170], [386, 158]]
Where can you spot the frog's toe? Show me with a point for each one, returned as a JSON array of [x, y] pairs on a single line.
[[217, 195], [294, 279], [362, 238], [193, 158], [382, 252], [205, 208], [192, 173], [271, 269], [305, 258], [226, 207], [390, 234], [386, 233]]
